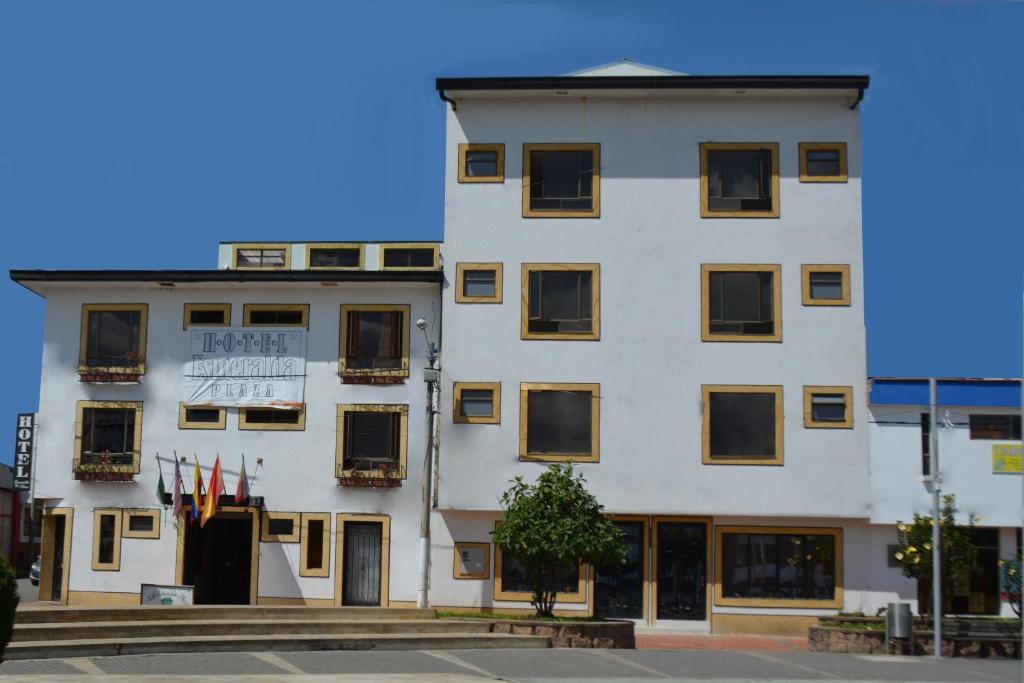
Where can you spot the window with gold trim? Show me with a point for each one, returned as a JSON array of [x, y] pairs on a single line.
[[739, 180], [481, 162], [280, 527], [511, 584], [472, 560], [314, 549], [828, 407], [559, 422], [113, 342], [373, 441], [477, 402], [478, 283], [562, 180], [201, 417], [742, 425], [825, 284], [206, 315], [410, 256], [275, 315], [108, 437], [261, 256], [374, 340], [741, 302], [823, 162], [335, 256], [106, 540], [561, 301], [272, 419], [141, 523]]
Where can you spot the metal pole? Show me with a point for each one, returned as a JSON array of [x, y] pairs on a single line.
[[936, 511], [422, 598], [1022, 465]]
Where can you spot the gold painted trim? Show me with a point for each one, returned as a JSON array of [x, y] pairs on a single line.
[[336, 245], [706, 211], [707, 390], [837, 146], [595, 422], [134, 468], [595, 303], [83, 342], [102, 599], [385, 554], [500, 594], [188, 308], [226, 510], [115, 564], [485, 574], [403, 437], [46, 552], [708, 578], [460, 281], [805, 280], [410, 245], [405, 310], [248, 309], [498, 147], [244, 424], [493, 419], [126, 516], [705, 300], [847, 393], [183, 422], [594, 147], [721, 600], [262, 245], [325, 570], [267, 537]]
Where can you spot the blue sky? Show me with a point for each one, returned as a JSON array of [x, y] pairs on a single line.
[[136, 134]]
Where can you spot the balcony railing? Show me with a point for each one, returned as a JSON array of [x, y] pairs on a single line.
[[105, 466], [370, 472], [124, 368]]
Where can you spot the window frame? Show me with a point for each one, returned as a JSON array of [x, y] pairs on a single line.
[[83, 346], [706, 269], [126, 516], [502, 595], [595, 301], [594, 148], [188, 308], [809, 393], [460, 279], [134, 468], [245, 425], [722, 601], [705, 206], [261, 245], [183, 422], [497, 147], [595, 422], [483, 575], [403, 439], [343, 370], [115, 564], [383, 248], [267, 537], [335, 245], [972, 430], [325, 570], [706, 455], [249, 309], [493, 419], [839, 147], [807, 269]]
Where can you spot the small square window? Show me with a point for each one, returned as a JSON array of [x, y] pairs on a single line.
[[561, 180], [261, 256], [823, 162], [478, 283], [742, 302], [477, 402], [481, 163], [141, 524], [828, 407], [472, 560], [739, 180], [826, 284], [742, 425]]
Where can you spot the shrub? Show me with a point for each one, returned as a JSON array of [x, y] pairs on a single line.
[[8, 603]]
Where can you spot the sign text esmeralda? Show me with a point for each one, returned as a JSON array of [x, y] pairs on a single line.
[[24, 439], [245, 366]]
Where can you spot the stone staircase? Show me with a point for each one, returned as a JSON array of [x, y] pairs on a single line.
[[50, 632]]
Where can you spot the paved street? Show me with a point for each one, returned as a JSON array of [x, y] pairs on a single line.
[[526, 666]]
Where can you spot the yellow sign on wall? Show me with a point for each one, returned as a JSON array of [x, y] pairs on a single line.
[[1006, 458]]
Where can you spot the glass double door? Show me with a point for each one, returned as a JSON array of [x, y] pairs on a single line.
[[665, 575]]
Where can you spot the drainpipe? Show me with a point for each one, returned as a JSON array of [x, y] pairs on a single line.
[[444, 96]]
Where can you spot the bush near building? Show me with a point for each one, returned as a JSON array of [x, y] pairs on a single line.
[[8, 603]]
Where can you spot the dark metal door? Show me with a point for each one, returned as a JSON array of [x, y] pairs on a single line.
[[361, 580], [619, 589], [57, 581], [681, 566]]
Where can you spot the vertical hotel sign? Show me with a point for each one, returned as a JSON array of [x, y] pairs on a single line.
[[24, 440]]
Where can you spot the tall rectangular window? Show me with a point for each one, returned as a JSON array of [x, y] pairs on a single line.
[[559, 422], [742, 425], [739, 180], [561, 301], [561, 180], [741, 303], [106, 540], [316, 528], [926, 444]]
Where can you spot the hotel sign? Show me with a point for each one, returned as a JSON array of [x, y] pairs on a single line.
[[1006, 458], [245, 366], [24, 440]]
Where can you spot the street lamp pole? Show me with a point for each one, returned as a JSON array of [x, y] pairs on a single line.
[[432, 376], [936, 511]]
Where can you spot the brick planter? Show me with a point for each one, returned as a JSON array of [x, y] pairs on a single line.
[[603, 634], [860, 641]]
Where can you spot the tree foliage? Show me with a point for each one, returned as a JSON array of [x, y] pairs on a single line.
[[958, 553], [1010, 580], [553, 524], [8, 603]]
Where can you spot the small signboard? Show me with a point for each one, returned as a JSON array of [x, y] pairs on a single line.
[[154, 594], [24, 440], [1006, 458]]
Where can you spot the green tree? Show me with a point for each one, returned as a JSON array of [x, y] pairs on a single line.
[[1010, 578], [915, 552], [553, 524], [8, 603]]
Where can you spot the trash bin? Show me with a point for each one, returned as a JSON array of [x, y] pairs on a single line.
[[899, 623]]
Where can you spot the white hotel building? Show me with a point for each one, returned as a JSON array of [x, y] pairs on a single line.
[[655, 276]]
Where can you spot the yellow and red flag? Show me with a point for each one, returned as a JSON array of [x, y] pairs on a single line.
[[213, 493], [197, 493]]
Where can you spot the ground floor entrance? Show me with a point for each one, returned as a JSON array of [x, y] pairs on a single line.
[[55, 551], [666, 574], [220, 559], [363, 546]]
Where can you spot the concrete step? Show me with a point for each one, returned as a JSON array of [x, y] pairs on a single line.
[[262, 643], [54, 615], [86, 630]]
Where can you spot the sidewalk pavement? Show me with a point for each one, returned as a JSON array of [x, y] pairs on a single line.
[[698, 641]]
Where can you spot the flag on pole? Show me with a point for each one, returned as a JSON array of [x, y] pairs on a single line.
[[213, 493], [176, 498], [197, 492], [242, 490], [160, 490]]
